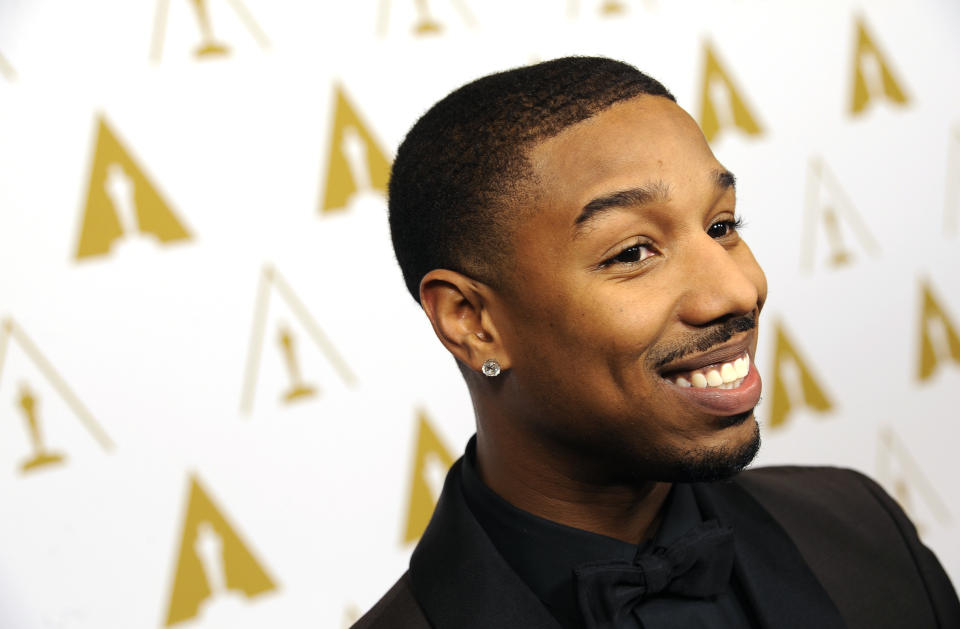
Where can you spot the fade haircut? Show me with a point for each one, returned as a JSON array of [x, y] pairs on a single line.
[[462, 174]]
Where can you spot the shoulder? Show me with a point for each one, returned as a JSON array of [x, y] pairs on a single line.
[[398, 609], [859, 543], [816, 500], [800, 480], [813, 487], [845, 497]]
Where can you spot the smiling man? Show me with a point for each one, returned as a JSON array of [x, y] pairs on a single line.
[[574, 242]]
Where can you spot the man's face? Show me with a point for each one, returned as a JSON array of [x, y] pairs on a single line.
[[630, 287]]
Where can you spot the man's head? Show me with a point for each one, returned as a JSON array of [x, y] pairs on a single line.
[[462, 174], [569, 220]]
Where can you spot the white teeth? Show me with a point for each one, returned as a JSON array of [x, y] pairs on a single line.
[[728, 376], [741, 367], [713, 378]]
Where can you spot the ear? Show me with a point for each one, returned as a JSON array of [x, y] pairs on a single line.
[[457, 307]]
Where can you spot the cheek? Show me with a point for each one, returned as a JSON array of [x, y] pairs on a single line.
[[612, 329], [593, 329]]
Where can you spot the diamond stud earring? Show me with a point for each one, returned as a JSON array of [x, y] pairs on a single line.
[[490, 367]]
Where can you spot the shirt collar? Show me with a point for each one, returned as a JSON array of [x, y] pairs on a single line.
[[544, 553]]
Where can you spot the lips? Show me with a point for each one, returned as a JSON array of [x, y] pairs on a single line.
[[723, 381], [717, 401]]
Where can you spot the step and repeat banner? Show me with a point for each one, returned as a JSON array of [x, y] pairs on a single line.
[[218, 405]]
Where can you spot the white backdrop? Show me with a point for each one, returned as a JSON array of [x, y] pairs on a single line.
[[218, 406]]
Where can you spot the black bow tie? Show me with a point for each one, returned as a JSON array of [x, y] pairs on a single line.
[[696, 565]]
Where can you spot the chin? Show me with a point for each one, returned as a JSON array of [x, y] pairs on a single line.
[[718, 462], [706, 463], [618, 457]]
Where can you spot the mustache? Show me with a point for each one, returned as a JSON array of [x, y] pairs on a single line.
[[720, 333]]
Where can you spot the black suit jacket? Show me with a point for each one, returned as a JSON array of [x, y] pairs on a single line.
[[817, 548]]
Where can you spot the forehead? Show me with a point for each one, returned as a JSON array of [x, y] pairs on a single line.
[[644, 139]]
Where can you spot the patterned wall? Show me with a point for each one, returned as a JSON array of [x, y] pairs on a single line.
[[218, 407]]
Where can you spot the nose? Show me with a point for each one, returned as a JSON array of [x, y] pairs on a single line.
[[720, 282]]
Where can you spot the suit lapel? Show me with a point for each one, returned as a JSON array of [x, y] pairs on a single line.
[[462, 582], [782, 590], [459, 578]]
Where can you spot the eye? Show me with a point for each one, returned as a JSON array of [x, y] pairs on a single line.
[[724, 228], [634, 254]]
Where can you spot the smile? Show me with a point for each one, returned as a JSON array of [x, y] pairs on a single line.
[[727, 375], [723, 381]]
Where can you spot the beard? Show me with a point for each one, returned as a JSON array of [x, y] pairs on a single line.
[[713, 464], [622, 464]]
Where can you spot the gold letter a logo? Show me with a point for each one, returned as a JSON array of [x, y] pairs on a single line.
[[355, 162], [212, 561], [829, 208], [871, 74], [938, 336], [789, 371], [430, 463], [122, 200], [721, 105]]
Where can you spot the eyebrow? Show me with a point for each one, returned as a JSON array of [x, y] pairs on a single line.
[[724, 179], [656, 192]]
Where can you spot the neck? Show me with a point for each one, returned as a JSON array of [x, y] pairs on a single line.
[[552, 486]]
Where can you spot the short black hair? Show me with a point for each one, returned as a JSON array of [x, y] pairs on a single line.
[[464, 163]]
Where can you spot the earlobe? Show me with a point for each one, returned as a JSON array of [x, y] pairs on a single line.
[[456, 307]]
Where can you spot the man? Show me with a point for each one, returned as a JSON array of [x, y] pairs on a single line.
[[574, 243]]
